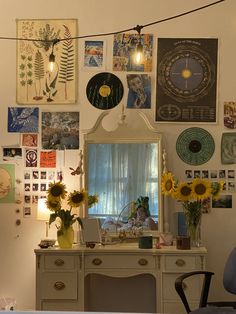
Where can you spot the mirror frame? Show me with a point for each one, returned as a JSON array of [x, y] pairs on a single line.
[[126, 133]]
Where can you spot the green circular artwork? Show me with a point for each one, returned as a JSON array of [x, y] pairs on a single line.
[[195, 146]]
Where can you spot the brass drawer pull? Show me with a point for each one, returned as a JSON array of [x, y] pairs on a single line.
[[59, 285], [143, 262], [97, 261], [180, 262], [59, 262]]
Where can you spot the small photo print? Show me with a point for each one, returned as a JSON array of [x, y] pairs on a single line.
[[231, 174], [43, 187], [35, 199], [213, 174], [27, 175], [231, 186], [35, 175], [27, 211], [27, 199], [189, 174], [205, 174], [29, 140], [229, 114], [94, 54], [139, 94], [43, 175], [197, 174], [11, 153], [35, 187], [51, 175], [27, 187], [222, 174], [224, 201]]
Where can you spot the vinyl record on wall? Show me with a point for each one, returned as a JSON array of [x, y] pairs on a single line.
[[195, 146], [104, 90]]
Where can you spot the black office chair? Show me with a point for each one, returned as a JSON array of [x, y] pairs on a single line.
[[205, 307]]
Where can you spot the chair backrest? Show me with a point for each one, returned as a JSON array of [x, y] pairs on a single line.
[[229, 276]]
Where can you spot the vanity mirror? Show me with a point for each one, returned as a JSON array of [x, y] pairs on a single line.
[[123, 167]]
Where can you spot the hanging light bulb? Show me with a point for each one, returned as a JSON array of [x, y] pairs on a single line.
[[52, 57], [138, 54], [51, 61]]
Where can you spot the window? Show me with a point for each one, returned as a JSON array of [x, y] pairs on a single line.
[[121, 172]]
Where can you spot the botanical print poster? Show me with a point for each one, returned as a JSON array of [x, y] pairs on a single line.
[[7, 183], [186, 79], [36, 83], [60, 130], [94, 54], [23, 119], [124, 47]]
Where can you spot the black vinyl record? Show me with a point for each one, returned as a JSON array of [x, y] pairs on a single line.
[[104, 90], [195, 146]]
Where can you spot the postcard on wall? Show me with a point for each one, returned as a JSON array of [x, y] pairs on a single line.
[[23, 119], [31, 157], [37, 83], [228, 148], [94, 54], [11, 153], [60, 130], [29, 140], [186, 80], [230, 114], [124, 47], [139, 94], [48, 159], [7, 183]]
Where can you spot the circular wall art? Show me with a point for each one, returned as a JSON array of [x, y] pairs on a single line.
[[104, 90], [186, 73], [195, 146]]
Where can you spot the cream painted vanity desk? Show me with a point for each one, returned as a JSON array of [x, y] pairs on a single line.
[[115, 278]]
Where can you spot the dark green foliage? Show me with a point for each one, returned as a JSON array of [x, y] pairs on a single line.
[[38, 66]]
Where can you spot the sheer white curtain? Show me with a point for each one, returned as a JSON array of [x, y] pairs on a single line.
[[120, 173]]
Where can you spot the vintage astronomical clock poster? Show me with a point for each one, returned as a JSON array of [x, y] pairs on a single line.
[[186, 80]]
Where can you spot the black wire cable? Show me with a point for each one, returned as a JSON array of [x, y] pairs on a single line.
[[136, 28]]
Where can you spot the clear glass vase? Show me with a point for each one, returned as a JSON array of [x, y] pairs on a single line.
[[193, 214], [65, 237]]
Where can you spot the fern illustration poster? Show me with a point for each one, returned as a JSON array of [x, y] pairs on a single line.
[[36, 82]]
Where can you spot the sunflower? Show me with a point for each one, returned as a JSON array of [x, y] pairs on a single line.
[[92, 199], [56, 191], [76, 198], [201, 189], [167, 183], [183, 192], [216, 189], [53, 205]]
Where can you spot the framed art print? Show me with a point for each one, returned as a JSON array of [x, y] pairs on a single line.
[[36, 82], [186, 80]]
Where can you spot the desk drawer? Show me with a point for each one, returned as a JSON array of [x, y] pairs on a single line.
[[59, 285], [180, 263], [59, 262], [119, 261]]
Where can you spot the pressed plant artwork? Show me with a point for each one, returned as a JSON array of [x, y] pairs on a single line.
[[37, 83]]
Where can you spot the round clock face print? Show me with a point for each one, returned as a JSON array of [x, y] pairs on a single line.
[[186, 73]]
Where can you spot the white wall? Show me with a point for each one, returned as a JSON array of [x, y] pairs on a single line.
[[17, 269]]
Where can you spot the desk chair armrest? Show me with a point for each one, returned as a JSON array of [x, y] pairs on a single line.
[[179, 287]]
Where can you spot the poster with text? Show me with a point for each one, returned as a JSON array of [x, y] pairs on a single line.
[[186, 80]]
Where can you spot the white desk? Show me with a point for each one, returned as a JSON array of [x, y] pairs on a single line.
[[115, 278]]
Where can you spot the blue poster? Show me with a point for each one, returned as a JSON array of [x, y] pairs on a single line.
[[23, 119]]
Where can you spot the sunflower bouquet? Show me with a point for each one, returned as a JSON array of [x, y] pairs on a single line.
[[56, 195], [193, 196]]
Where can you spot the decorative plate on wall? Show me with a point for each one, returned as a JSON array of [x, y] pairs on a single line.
[[195, 146]]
